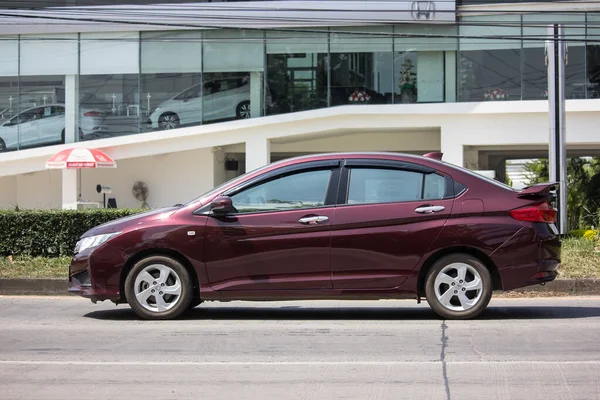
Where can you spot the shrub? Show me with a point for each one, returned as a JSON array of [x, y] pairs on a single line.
[[585, 234], [50, 233]]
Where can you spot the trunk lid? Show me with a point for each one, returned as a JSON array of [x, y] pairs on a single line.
[[539, 191]]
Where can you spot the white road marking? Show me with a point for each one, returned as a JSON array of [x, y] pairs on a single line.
[[286, 363]]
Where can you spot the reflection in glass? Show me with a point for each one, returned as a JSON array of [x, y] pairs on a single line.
[[225, 96], [109, 105], [490, 75], [40, 120], [296, 82], [535, 73], [358, 78], [9, 108], [171, 100]]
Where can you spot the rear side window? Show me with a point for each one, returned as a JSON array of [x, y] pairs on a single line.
[[380, 185]]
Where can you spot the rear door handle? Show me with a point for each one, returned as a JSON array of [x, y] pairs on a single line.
[[429, 209], [313, 220]]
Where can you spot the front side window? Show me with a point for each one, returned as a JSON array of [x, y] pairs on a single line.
[[298, 191], [379, 185]]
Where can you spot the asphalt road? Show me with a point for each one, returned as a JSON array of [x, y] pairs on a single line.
[[68, 348]]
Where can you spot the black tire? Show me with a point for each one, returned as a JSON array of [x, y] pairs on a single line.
[[195, 303], [482, 295], [168, 121], [180, 306], [242, 110], [2, 146], [62, 137]]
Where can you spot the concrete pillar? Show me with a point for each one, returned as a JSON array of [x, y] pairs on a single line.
[[258, 153], [471, 158], [452, 148], [219, 173], [69, 189], [71, 108], [256, 94]]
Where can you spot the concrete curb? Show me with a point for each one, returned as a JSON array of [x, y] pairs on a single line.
[[573, 287], [59, 286], [34, 286]]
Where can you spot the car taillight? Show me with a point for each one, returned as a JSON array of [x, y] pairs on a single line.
[[535, 213], [93, 114]]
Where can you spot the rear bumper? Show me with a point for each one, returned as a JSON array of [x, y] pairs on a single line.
[[531, 257]]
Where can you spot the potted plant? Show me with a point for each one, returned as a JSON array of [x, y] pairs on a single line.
[[495, 94], [408, 83], [359, 97]]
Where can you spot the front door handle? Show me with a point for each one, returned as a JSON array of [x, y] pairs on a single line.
[[313, 220], [429, 209]]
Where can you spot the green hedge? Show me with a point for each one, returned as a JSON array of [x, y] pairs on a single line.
[[50, 233]]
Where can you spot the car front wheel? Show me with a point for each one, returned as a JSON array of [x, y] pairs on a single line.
[[158, 287], [2, 146], [458, 286], [168, 121], [243, 110]]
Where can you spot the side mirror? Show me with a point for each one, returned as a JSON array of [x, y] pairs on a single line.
[[221, 205]]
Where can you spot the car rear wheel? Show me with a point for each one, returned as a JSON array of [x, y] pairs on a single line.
[[62, 136], [2, 146], [168, 121], [158, 287], [458, 286], [243, 110]]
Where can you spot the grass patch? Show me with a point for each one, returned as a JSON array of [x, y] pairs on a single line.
[[580, 258], [34, 267]]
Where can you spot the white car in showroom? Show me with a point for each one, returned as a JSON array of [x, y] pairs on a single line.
[[45, 125], [218, 99]]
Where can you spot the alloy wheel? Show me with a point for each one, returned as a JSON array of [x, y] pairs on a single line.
[[458, 287], [169, 121], [244, 111], [158, 288]]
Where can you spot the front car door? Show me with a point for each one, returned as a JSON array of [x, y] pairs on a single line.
[[388, 216], [279, 236]]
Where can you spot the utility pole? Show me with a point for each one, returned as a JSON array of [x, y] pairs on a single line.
[[556, 60]]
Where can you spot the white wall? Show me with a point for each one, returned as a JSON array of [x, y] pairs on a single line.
[[171, 178], [39, 190], [8, 192]]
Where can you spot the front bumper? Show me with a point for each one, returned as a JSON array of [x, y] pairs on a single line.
[[95, 274]]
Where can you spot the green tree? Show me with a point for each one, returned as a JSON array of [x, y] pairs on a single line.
[[583, 188]]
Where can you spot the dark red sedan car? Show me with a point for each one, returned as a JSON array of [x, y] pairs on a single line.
[[333, 226]]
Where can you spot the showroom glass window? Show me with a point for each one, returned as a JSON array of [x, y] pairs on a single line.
[[109, 96], [361, 65], [42, 89], [378, 185], [535, 71], [291, 192], [424, 59], [593, 56], [489, 69], [171, 79], [233, 73], [296, 71]]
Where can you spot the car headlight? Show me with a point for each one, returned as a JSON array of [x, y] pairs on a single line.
[[93, 241]]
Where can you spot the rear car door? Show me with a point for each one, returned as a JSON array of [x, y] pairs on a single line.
[[279, 236], [388, 215]]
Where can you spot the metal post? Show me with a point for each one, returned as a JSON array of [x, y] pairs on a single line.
[[556, 58]]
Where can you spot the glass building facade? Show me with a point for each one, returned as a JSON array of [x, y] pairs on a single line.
[[136, 82]]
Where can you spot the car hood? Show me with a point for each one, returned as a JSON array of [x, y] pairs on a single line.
[[131, 222]]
